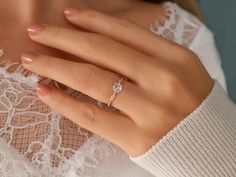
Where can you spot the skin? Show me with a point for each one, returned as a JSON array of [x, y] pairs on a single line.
[[163, 87]]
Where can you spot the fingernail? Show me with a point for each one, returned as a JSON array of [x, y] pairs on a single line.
[[43, 89], [27, 58], [36, 29], [71, 12]]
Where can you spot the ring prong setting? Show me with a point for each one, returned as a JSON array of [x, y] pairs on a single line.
[[117, 87]]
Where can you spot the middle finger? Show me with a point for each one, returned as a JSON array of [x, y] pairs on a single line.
[[95, 48]]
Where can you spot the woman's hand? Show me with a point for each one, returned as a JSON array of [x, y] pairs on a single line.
[[166, 82]]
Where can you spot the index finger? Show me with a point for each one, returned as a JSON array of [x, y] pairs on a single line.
[[124, 31]]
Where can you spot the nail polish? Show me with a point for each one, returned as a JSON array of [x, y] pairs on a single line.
[[43, 89], [27, 58], [71, 12], [34, 30]]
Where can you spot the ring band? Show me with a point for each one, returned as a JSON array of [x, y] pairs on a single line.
[[117, 88]]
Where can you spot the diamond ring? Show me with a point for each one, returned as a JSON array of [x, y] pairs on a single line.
[[117, 88]]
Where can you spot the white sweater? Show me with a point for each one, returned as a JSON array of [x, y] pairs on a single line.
[[203, 144], [45, 144]]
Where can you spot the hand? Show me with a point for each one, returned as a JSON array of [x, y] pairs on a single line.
[[166, 82]]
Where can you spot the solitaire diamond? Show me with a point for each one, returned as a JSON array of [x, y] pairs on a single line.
[[117, 87]]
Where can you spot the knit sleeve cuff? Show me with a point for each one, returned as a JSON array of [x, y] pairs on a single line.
[[202, 144]]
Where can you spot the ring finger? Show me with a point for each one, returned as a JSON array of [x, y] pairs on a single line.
[[86, 78]]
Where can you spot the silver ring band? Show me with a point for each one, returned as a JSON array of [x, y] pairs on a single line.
[[117, 88]]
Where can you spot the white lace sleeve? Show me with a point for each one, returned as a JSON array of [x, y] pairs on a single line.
[[185, 29]]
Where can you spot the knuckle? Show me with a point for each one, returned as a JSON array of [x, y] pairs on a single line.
[[43, 61], [94, 43], [187, 57], [55, 30], [171, 85], [58, 100], [88, 73], [123, 24], [89, 114], [88, 13], [46, 60]]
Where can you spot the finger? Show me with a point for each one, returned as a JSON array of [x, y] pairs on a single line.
[[94, 48], [86, 78], [114, 127], [125, 32]]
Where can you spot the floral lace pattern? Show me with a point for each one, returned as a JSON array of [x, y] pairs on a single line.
[[174, 27], [35, 141], [45, 138]]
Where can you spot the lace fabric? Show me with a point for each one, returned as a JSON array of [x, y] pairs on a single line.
[[35, 141], [51, 142], [174, 27]]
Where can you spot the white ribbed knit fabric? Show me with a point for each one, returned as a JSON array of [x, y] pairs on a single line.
[[203, 144]]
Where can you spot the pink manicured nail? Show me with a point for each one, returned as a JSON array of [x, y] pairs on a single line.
[[27, 58], [36, 29], [43, 89], [71, 12]]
